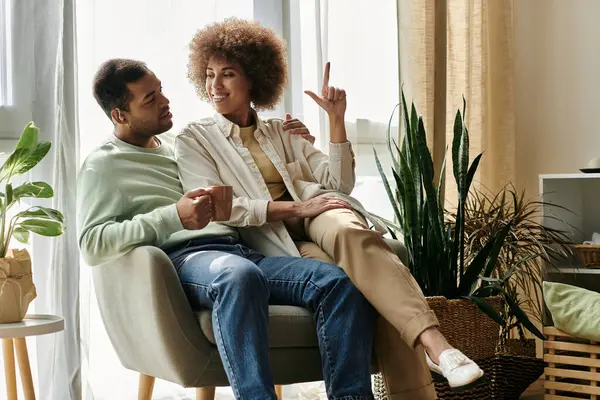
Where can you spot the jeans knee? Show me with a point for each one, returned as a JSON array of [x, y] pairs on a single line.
[[343, 289], [339, 281], [245, 279]]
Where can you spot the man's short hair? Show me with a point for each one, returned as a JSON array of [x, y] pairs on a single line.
[[110, 82]]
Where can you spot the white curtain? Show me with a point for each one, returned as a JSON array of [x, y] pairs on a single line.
[[57, 261], [43, 84]]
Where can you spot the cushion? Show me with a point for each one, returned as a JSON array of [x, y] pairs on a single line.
[[289, 326], [574, 310]]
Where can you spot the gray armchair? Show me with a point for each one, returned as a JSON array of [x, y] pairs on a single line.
[[155, 331]]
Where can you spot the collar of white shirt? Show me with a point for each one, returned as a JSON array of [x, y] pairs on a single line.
[[227, 127]]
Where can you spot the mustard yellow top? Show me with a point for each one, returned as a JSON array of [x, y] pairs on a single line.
[[270, 174]]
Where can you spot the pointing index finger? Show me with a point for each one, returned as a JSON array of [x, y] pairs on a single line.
[[326, 78]]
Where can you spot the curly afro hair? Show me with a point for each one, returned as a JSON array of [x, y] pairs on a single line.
[[258, 50]]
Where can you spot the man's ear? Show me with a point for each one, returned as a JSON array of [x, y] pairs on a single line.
[[118, 116]]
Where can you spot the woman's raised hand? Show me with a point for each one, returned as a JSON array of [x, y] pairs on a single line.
[[332, 99]]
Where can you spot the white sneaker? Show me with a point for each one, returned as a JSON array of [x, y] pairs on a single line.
[[460, 371]]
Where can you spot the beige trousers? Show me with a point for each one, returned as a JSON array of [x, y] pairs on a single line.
[[342, 237]]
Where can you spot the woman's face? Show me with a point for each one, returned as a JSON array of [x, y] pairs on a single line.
[[228, 87]]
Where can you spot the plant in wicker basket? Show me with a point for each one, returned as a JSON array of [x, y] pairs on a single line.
[[460, 280], [528, 245], [438, 256]]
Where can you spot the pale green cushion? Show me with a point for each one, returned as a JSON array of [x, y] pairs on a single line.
[[574, 310]]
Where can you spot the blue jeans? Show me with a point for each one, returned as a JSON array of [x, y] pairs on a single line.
[[238, 284]]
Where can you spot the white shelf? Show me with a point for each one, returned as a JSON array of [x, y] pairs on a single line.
[[582, 270], [577, 175], [579, 194]]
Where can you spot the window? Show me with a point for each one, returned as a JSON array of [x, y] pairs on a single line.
[[5, 54], [361, 42]]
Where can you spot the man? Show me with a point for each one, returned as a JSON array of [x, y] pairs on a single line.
[[129, 195]]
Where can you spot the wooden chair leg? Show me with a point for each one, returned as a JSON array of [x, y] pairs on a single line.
[[146, 386], [24, 368], [279, 392], [9, 369], [205, 393]]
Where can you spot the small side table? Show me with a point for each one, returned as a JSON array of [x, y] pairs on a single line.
[[13, 337]]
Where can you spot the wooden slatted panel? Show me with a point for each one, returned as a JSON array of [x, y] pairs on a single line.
[[586, 382], [594, 356], [573, 387], [556, 397], [570, 360], [551, 337], [569, 373], [550, 330], [583, 348]]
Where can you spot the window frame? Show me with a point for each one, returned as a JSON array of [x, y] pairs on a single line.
[[14, 116]]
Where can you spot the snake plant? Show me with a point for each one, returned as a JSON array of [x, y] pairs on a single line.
[[436, 242]]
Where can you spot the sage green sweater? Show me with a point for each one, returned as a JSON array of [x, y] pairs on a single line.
[[126, 197]]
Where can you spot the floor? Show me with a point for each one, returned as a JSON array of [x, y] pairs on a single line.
[[535, 391]]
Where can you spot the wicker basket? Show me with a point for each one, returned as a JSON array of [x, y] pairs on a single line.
[[506, 377], [508, 371], [466, 327], [589, 254]]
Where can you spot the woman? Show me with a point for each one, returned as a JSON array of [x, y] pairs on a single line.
[[287, 191]]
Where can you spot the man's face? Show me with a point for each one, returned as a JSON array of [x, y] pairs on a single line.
[[149, 112]]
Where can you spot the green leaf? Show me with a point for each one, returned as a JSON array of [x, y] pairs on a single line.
[[12, 163], [463, 164], [513, 306], [21, 234], [40, 190], [458, 131], [43, 227], [387, 222], [392, 233], [34, 158], [474, 269], [522, 316], [29, 137], [23, 159], [42, 213], [492, 280], [388, 136], [386, 184], [440, 185], [406, 125], [472, 171], [426, 168], [410, 198], [499, 243], [488, 309]]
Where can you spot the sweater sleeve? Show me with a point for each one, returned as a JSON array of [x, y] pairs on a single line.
[[197, 169], [104, 232]]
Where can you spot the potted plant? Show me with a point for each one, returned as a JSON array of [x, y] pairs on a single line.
[[519, 270], [528, 246], [16, 286], [436, 238], [457, 280]]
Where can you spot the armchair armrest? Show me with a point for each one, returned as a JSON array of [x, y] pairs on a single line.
[[148, 318]]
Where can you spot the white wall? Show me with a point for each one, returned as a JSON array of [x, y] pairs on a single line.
[[557, 86]]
